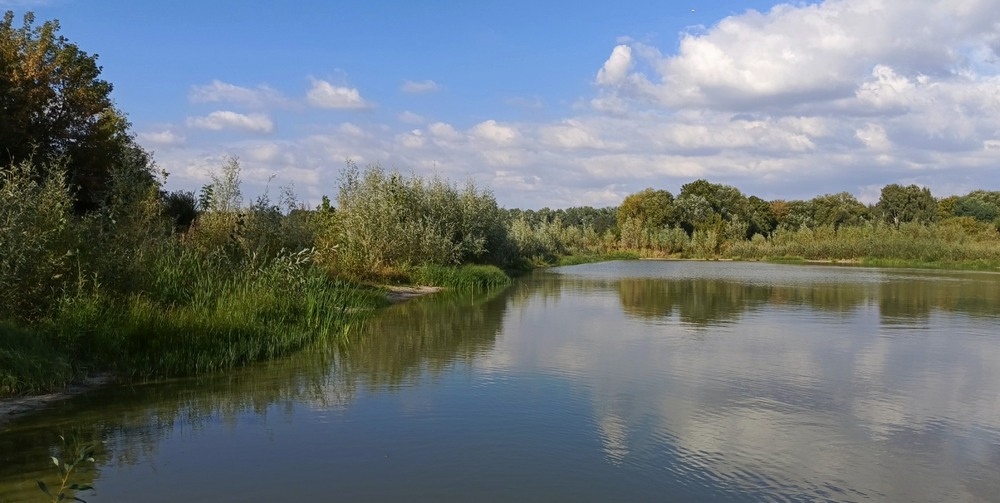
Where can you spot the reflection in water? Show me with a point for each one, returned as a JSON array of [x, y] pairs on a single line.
[[638, 381], [128, 424]]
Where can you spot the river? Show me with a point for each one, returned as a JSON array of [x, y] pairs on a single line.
[[618, 381]]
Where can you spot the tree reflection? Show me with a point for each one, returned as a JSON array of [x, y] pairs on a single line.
[[696, 301], [430, 333], [126, 424]]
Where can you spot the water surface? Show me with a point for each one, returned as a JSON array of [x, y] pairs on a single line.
[[621, 381]]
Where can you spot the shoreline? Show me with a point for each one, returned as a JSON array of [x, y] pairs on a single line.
[[15, 407]]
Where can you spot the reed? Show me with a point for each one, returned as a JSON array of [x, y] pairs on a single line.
[[468, 277]]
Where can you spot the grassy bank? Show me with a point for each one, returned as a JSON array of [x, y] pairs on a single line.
[[221, 324]]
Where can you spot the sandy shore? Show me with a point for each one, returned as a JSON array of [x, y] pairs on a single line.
[[11, 408], [401, 293]]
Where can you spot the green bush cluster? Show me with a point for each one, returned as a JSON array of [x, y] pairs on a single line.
[[387, 224], [117, 290]]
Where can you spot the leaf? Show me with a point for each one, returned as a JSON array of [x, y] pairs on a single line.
[[44, 488], [55, 460]]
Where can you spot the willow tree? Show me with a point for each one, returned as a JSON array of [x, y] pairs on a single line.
[[57, 109]]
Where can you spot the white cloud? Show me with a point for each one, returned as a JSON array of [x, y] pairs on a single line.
[[571, 135], [496, 133], [805, 54], [444, 131], [616, 68], [218, 91], [418, 87], [323, 94], [800, 100], [224, 119], [164, 138], [875, 137]]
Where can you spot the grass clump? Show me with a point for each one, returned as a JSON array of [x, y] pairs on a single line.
[[29, 363], [467, 277]]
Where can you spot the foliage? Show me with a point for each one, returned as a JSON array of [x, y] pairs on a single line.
[[182, 208], [898, 205], [38, 240], [977, 207], [387, 222], [55, 107], [467, 277], [653, 208], [704, 205], [67, 489], [838, 210]]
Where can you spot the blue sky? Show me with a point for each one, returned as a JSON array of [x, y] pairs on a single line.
[[554, 103]]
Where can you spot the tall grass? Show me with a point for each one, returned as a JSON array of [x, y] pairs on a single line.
[[134, 300], [247, 319], [387, 223], [468, 277], [953, 241]]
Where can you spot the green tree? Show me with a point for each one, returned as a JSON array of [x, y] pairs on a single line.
[[654, 208], [55, 107], [762, 217], [838, 210], [703, 205], [975, 207], [899, 204], [793, 215]]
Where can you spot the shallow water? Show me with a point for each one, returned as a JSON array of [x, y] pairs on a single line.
[[621, 381]]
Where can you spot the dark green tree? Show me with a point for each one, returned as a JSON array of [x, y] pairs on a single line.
[[55, 107], [976, 207], [762, 218], [838, 210], [899, 204]]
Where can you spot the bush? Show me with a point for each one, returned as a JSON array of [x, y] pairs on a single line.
[[387, 223], [38, 240]]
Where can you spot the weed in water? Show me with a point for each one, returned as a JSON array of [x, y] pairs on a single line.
[[67, 489]]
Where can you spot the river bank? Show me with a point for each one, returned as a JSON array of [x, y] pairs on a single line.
[[13, 407]]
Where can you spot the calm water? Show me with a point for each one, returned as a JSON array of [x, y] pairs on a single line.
[[622, 381]]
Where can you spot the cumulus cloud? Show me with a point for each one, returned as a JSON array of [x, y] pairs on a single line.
[[323, 94], [418, 87], [218, 91], [807, 53], [796, 101], [224, 119], [616, 68], [494, 132]]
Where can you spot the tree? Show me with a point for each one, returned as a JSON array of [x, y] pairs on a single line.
[[976, 207], [762, 217], [838, 210], [793, 215], [703, 205], [899, 204], [654, 208], [55, 108]]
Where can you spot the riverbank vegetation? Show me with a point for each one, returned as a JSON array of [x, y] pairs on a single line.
[[102, 270]]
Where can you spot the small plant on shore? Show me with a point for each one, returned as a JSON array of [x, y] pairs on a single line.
[[67, 489]]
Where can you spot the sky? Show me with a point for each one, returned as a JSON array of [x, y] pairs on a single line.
[[557, 103]]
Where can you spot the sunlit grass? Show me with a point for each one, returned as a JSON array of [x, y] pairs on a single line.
[[467, 277]]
